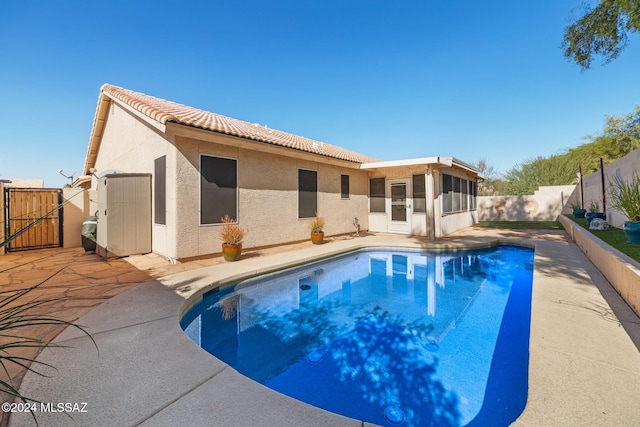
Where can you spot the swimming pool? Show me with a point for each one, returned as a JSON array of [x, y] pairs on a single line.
[[385, 336]]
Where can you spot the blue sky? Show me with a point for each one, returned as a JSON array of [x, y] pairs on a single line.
[[392, 80]]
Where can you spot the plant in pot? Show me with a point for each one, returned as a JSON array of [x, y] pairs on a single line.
[[594, 212], [231, 235], [625, 197], [317, 227], [578, 211]]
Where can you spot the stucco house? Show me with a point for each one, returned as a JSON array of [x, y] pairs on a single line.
[[203, 166]]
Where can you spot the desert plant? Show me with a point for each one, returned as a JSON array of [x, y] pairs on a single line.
[[231, 233], [317, 225], [16, 319], [625, 196], [593, 207]]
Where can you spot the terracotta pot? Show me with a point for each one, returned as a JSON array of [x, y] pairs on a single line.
[[317, 238], [231, 252]]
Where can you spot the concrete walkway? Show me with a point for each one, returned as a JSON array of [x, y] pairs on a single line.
[[584, 368]]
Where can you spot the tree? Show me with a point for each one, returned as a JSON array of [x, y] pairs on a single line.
[[492, 184], [525, 178], [620, 136], [602, 30]]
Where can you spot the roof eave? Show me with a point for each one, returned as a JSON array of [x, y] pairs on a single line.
[[105, 101], [97, 129], [422, 161], [193, 132]]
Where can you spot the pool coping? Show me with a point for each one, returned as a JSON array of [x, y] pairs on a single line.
[[583, 367], [192, 296]]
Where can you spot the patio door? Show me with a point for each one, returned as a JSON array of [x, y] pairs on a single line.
[[399, 216]]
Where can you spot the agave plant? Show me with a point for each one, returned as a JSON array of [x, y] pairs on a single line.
[[17, 317]]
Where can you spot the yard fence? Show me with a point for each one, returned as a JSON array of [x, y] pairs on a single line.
[[544, 205], [74, 207], [592, 188]]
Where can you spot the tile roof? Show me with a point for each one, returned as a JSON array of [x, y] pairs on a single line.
[[164, 111]]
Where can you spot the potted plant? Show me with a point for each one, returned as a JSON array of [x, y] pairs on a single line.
[[625, 197], [317, 233], [594, 212], [231, 235], [578, 211]]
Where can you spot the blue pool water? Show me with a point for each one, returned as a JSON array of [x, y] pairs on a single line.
[[388, 337]]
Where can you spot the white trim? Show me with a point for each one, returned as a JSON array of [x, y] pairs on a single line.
[[423, 161], [400, 227], [407, 162]]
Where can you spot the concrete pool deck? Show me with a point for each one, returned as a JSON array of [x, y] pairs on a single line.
[[584, 368]]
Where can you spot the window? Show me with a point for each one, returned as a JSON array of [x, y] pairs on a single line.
[[473, 192], [376, 195], [455, 195], [218, 189], [307, 193], [160, 190], [458, 195], [447, 193], [344, 186], [464, 194], [419, 194]]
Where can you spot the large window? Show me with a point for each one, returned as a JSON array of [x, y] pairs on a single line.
[[376, 195], [307, 193], [160, 190], [218, 189], [419, 194], [455, 194], [344, 186], [447, 193]]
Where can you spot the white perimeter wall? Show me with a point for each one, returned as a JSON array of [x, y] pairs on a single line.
[[592, 186], [544, 205], [75, 209]]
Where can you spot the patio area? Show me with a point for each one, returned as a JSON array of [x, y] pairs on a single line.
[[584, 364]]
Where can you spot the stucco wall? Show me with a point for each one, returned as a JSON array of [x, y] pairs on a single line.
[[267, 197], [23, 183], [453, 222], [267, 194], [130, 146], [592, 186], [433, 220], [75, 209], [544, 205]]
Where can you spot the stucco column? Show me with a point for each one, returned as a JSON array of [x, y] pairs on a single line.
[[430, 193]]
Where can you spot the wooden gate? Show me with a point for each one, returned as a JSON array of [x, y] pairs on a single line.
[[33, 218]]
